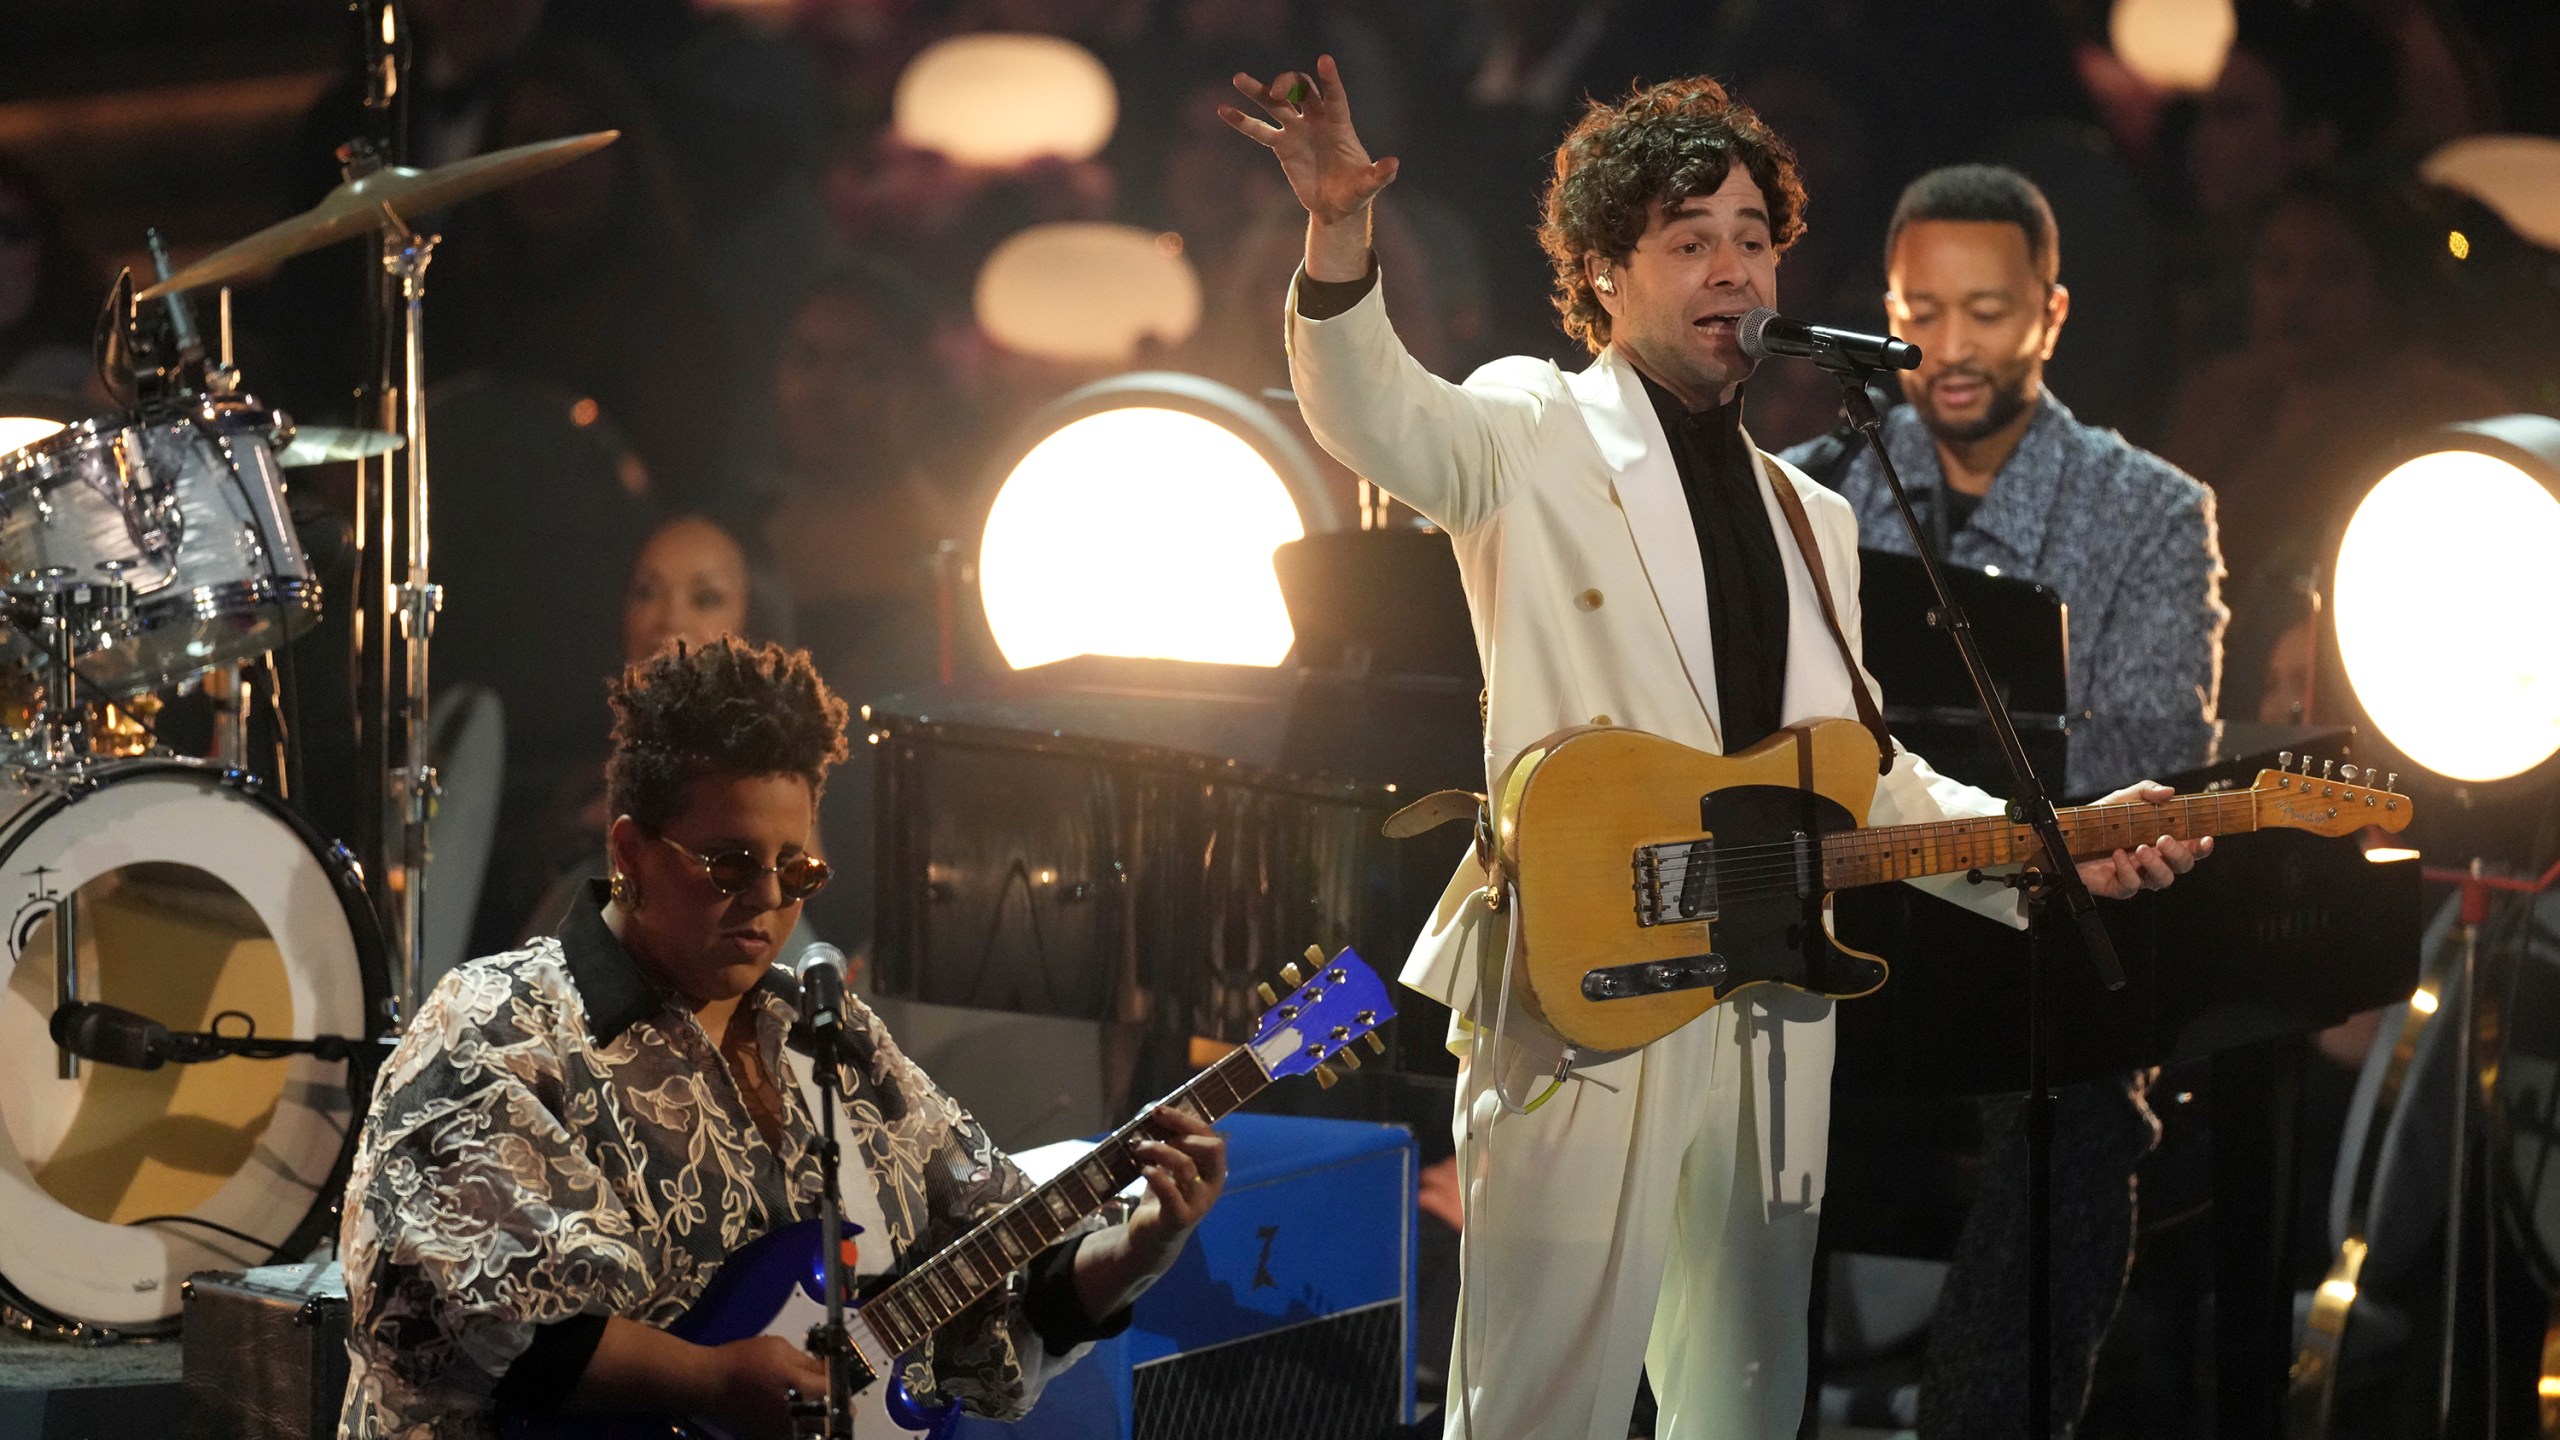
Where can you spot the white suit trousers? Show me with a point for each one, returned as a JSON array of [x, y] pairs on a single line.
[[1610, 1233]]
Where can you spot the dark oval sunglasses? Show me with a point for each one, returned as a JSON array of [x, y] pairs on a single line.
[[732, 870]]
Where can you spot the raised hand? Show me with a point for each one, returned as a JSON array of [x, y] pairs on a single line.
[[1310, 130]]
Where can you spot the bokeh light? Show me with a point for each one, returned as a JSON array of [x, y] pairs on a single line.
[[17, 430], [1087, 293], [2174, 45], [1004, 100], [2516, 175]]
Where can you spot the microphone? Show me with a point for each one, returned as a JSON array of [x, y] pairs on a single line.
[[821, 974], [1764, 333], [111, 1036]]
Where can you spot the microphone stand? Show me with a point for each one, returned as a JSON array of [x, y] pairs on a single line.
[[828, 1339], [2058, 879]]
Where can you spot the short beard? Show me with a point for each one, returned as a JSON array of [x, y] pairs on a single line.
[[2008, 402]]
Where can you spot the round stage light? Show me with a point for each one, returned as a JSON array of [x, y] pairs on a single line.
[[2444, 597], [27, 416], [17, 430], [1140, 519], [1087, 293], [1002, 100], [2173, 44], [2516, 175]]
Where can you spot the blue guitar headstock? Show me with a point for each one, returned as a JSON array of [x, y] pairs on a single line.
[[1332, 1010]]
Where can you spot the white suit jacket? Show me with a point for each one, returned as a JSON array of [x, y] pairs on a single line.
[[1582, 570]]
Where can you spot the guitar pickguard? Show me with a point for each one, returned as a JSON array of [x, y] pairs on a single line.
[[1770, 891]]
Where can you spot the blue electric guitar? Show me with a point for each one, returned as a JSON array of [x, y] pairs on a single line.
[[775, 1284]]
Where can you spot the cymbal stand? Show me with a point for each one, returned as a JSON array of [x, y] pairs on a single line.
[[411, 785]]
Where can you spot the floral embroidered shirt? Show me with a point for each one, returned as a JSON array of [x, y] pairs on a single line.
[[554, 1142]]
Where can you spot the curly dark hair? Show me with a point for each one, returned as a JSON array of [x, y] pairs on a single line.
[[726, 708], [1622, 164]]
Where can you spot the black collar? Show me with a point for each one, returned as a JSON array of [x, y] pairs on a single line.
[[617, 995], [1715, 423]]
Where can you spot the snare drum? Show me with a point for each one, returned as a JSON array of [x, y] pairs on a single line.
[[196, 896], [187, 507]]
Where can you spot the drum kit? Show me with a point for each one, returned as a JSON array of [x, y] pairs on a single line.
[[146, 550]]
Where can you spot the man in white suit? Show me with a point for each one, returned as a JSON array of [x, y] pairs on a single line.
[[1627, 562]]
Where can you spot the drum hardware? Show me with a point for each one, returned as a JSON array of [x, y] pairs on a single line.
[[371, 201], [329, 444], [111, 1035], [376, 197], [190, 891]]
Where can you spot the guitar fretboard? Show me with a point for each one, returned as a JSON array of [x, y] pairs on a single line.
[[925, 1299], [1852, 858]]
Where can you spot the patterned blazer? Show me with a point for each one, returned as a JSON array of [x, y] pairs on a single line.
[[554, 1138], [2126, 538]]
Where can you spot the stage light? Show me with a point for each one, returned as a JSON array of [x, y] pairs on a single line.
[[2444, 598], [2516, 175], [17, 430], [27, 416], [1140, 519], [1001, 100], [1086, 294], [2173, 44]]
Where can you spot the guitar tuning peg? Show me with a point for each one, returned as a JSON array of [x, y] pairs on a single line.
[[1377, 1045], [1289, 974], [2328, 769], [2393, 783], [1315, 957], [2347, 773], [1268, 996], [1324, 1078], [2284, 759], [1348, 1055]]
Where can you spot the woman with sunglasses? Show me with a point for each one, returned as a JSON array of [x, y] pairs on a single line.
[[571, 1137]]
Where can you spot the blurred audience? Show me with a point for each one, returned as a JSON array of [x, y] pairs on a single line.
[[2328, 374], [49, 293], [2303, 91], [591, 277]]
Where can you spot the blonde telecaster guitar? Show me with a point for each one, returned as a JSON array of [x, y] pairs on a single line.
[[1653, 881]]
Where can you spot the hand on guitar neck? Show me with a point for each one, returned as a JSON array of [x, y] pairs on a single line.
[[745, 1385], [1184, 1173], [2151, 866]]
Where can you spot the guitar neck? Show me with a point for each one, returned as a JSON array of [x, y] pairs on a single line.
[[925, 1299], [1851, 858]]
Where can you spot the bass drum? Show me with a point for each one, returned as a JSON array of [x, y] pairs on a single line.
[[197, 896]]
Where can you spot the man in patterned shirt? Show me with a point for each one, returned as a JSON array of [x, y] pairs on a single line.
[[571, 1137], [2002, 475]]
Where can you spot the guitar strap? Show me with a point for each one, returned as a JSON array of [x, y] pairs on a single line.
[[1793, 505]]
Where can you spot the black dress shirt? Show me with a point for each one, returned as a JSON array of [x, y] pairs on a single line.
[[1746, 578]]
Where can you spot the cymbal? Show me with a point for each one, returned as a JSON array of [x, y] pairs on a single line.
[[371, 202], [327, 444]]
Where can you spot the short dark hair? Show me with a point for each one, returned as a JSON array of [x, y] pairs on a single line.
[[1993, 193], [726, 708], [1622, 164]]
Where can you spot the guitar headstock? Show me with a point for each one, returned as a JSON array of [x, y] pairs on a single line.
[[2340, 800], [1338, 1003]]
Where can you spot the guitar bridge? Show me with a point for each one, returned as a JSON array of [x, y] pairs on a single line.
[[1675, 882], [1653, 977]]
